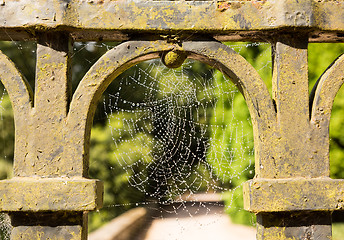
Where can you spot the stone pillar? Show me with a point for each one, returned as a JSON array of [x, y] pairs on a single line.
[[49, 197], [291, 191]]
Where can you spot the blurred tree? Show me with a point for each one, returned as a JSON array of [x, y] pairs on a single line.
[[234, 140], [105, 166], [6, 136]]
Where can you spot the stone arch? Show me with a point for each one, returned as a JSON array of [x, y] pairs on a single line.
[[122, 57], [325, 91], [21, 96], [322, 98]]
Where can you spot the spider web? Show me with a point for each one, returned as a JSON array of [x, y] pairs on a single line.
[[172, 127], [180, 137]]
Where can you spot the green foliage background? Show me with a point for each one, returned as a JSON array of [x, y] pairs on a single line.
[[117, 190]]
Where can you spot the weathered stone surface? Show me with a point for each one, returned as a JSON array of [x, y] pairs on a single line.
[[51, 194], [116, 20], [296, 194]]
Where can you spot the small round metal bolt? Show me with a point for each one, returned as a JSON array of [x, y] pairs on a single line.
[[174, 58]]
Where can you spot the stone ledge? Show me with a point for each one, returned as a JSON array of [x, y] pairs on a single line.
[[50, 194], [114, 20], [313, 194]]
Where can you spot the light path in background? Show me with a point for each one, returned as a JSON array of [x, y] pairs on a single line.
[[202, 217], [206, 227], [197, 216]]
